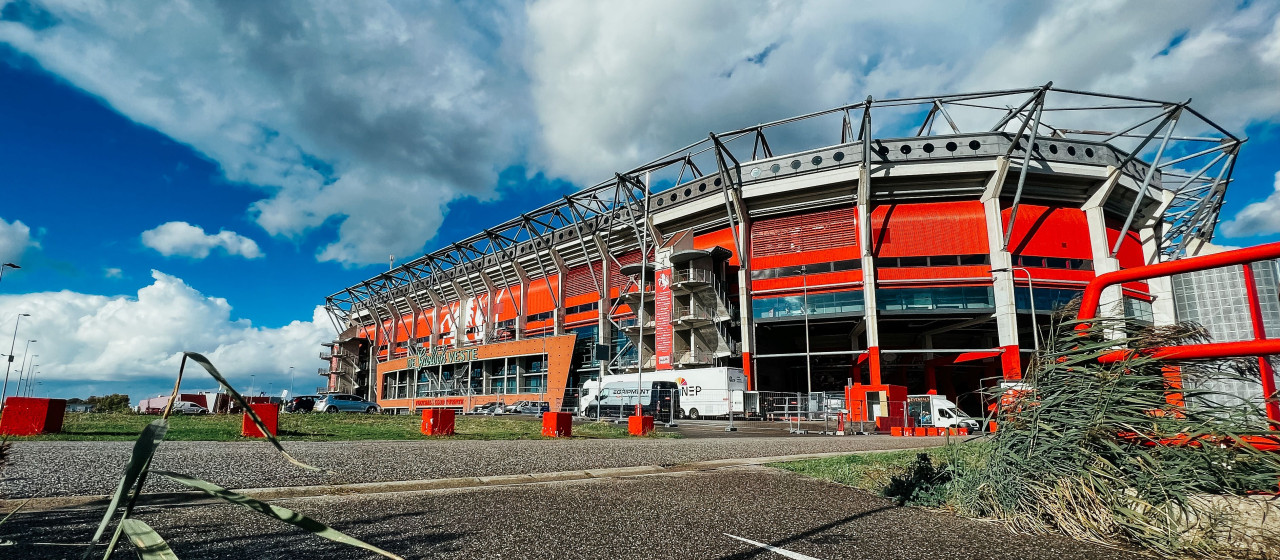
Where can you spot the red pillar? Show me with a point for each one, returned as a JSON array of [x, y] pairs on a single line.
[[930, 378], [873, 358], [1011, 363]]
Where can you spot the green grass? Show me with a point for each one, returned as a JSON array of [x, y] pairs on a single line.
[[314, 427], [873, 471]]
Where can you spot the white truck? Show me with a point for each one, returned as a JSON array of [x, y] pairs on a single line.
[[619, 399], [938, 412], [704, 392]]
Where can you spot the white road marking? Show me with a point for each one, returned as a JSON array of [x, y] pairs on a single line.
[[774, 549]]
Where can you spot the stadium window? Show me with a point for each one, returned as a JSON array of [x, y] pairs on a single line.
[[913, 261], [974, 260]]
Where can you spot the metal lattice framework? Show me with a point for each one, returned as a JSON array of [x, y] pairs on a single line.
[[1180, 160]]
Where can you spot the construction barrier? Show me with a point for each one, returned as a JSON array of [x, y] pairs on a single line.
[[27, 416], [557, 424], [639, 425], [270, 416], [438, 421]]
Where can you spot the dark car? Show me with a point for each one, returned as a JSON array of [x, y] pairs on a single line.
[[301, 403]]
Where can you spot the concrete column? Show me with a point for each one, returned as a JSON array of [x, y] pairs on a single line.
[[870, 311], [746, 318], [1006, 314], [460, 318], [1103, 262], [436, 303], [1163, 310], [604, 327]]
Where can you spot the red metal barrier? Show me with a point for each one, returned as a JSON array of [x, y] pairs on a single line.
[[27, 416], [438, 421], [270, 415], [639, 425], [1260, 346], [557, 424]]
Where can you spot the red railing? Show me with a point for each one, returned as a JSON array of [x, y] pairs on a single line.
[[1260, 346]]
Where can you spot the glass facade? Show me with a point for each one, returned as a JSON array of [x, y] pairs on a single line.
[[1216, 300], [814, 304], [1048, 300], [932, 299]]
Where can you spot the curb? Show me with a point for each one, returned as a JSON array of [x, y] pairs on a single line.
[[166, 499]]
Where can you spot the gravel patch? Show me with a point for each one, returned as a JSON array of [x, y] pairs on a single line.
[[70, 468]]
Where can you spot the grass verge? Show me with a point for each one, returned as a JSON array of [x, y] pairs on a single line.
[[80, 426]]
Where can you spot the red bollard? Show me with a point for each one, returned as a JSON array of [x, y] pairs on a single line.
[[840, 422], [557, 424], [27, 416], [639, 425], [438, 421], [895, 431], [269, 414]]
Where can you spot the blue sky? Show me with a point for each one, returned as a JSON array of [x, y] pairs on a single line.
[[392, 127]]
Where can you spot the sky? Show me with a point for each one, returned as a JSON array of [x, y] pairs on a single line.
[[198, 176]]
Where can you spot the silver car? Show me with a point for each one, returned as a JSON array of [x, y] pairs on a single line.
[[339, 402]]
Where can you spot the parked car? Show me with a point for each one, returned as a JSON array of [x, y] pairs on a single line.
[[515, 407], [484, 408], [184, 407], [338, 402], [302, 403], [529, 407]]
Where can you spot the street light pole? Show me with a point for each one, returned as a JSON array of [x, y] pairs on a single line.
[[1031, 295], [4, 266], [290, 381], [12, 343], [23, 367], [30, 376]]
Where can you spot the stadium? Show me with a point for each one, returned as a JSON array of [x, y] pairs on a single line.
[[920, 242]]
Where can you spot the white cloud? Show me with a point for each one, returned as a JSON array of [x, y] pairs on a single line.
[[374, 116], [15, 239], [183, 239], [340, 111], [615, 85], [1258, 218], [118, 338], [112, 273]]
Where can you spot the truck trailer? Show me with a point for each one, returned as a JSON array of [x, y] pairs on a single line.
[[704, 392]]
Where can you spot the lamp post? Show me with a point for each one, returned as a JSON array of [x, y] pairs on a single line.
[[22, 369], [290, 381], [12, 343], [31, 373], [1031, 295], [251, 376], [6, 265]]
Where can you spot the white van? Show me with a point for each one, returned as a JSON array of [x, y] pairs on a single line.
[[938, 412], [619, 399], [704, 392]]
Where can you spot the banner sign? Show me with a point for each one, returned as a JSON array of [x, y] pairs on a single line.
[[442, 357], [662, 318]]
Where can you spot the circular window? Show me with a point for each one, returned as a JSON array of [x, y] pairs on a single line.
[[795, 164], [838, 156], [928, 148], [905, 149], [817, 160], [775, 168], [673, 197], [755, 171], [659, 202], [1053, 148], [951, 146], [702, 187], [1071, 150], [974, 144], [688, 192], [1016, 145], [883, 151], [1036, 147], [1088, 152], [716, 182]]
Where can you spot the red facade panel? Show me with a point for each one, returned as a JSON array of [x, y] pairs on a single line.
[[1049, 232], [581, 280], [540, 298], [720, 238], [507, 304], [823, 236], [936, 228]]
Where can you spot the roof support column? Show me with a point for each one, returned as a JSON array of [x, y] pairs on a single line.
[[436, 304], [1103, 262], [460, 316], [489, 315], [863, 202], [522, 299], [604, 327], [561, 271], [1002, 272], [746, 319]]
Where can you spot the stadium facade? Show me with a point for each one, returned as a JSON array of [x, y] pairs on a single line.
[[919, 242]]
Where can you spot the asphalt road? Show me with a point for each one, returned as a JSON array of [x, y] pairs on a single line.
[[684, 515], [67, 468]]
